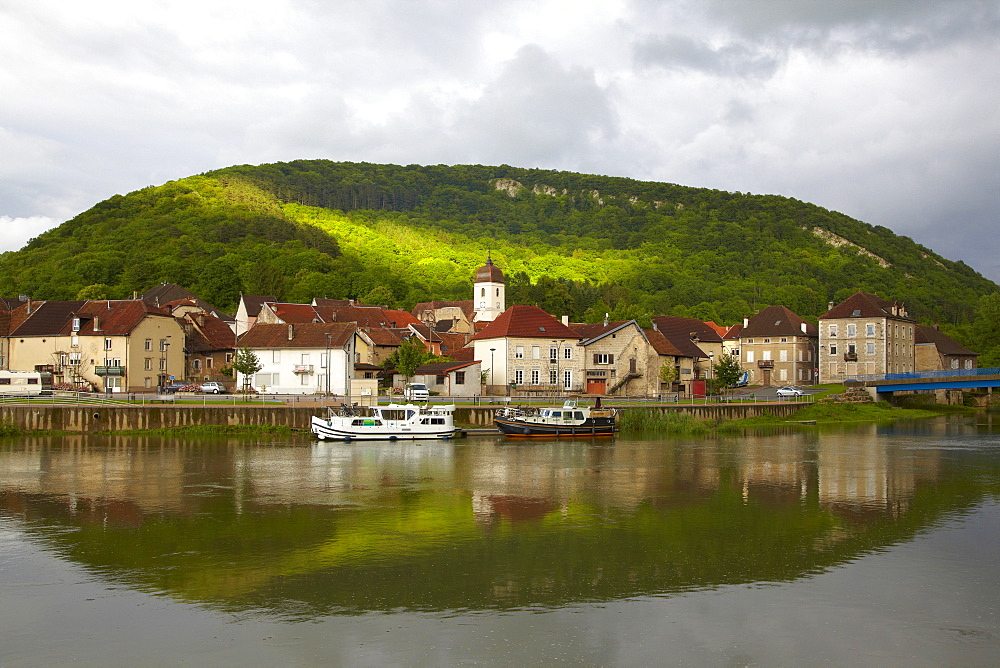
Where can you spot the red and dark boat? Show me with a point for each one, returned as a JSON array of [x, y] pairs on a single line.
[[567, 420]]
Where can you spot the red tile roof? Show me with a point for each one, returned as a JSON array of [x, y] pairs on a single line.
[[304, 335], [679, 331], [467, 305], [294, 313], [46, 318], [777, 321], [866, 305], [944, 343], [526, 322], [441, 368], [382, 336], [594, 330], [206, 332], [661, 345]]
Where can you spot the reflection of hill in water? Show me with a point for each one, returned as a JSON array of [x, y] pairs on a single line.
[[487, 525]]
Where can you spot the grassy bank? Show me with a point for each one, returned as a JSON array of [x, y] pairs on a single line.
[[650, 420]]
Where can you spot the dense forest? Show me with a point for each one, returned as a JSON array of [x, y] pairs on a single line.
[[575, 244]]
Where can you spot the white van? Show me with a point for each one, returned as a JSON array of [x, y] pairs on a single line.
[[416, 392]]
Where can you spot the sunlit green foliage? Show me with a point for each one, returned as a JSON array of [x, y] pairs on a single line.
[[574, 244]]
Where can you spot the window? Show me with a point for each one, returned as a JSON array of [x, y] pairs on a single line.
[[460, 378], [229, 357], [749, 356], [303, 379], [322, 360], [852, 331], [766, 355], [107, 344], [149, 344], [536, 352], [148, 364], [536, 377], [483, 293], [767, 340], [275, 357], [833, 348], [74, 359], [603, 358], [567, 353], [870, 329], [783, 356], [264, 379], [519, 377], [553, 353], [784, 339], [163, 345], [74, 341], [870, 349], [519, 352], [553, 376], [76, 324], [749, 340], [208, 362], [196, 364], [968, 364], [567, 379], [833, 330], [163, 364]]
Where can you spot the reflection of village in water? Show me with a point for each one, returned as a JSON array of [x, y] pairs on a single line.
[[133, 476], [507, 524]]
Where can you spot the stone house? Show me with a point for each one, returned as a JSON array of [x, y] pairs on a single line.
[[865, 334], [210, 345], [617, 358], [667, 355], [451, 379], [696, 341], [936, 351], [527, 348], [776, 346]]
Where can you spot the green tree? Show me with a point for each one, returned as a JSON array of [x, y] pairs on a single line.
[[986, 330], [247, 364], [95, 291], [380, 296], [727, 371], [668, 373]]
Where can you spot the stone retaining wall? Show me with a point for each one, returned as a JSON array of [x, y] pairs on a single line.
[[63, 417]]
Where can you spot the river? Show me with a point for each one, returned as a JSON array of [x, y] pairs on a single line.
[[870, 545]]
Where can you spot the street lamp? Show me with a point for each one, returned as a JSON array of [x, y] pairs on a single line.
[[164, 358], [329, 367], [492, 350]]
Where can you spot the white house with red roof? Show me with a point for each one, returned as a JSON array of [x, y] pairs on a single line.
[[306, 358], [529, 348]]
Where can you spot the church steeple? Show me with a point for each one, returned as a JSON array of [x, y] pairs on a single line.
[[489, 291]]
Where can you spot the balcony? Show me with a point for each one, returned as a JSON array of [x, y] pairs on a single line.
[[109, 370], [850, 357], [765, 364], [303, 368]]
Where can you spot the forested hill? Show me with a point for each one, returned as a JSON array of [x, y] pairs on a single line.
[[575, 244]]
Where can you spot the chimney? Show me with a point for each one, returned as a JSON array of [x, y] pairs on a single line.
[[746, 322], [656, 327], [565, 320], [201, 319], [97, 323], [606, 319], [829, 306], [291, 331]]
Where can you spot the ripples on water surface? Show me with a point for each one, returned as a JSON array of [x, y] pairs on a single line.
[[861, 545]]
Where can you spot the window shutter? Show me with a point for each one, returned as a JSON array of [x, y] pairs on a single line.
[[611, 359], [597, 358]]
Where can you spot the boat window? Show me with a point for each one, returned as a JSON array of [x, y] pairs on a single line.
[[556, 414], [357, 423], [578, 415], [545, 413]]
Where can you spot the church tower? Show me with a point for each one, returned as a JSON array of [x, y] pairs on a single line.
[[489, 292]]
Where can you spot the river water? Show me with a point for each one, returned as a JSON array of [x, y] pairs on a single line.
[[870, 545]]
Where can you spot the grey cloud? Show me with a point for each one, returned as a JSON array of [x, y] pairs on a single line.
[[686, 53]]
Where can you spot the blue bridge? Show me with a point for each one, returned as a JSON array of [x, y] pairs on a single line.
[[924, 381]]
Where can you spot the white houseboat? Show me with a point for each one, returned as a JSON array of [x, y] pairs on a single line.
[[386, 423]]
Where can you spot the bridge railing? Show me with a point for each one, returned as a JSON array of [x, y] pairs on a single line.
[[917, 375]]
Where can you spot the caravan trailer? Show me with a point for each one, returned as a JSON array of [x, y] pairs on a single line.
[[20, 383]]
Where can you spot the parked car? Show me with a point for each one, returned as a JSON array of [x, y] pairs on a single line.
[[173, 388], [416, 392], [789, 391], [213, 387]]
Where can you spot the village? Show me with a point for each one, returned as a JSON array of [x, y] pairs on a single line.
[[169, 338]]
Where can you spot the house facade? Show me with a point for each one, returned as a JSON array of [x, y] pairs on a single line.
[[617, 358], [865, 334], [106, 345], [525, 347], [451, 379], [210, 345], [305, 358], [936, 351], [776, 346]]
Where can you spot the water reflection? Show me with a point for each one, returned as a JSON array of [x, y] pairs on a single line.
[[303, 528]]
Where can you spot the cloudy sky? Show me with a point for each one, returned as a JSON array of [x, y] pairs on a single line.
[[887, 110]]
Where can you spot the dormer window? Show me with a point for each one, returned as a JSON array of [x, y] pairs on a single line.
[[76, 324]]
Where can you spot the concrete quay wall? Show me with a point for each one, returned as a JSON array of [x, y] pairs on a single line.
[[86, 418]]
